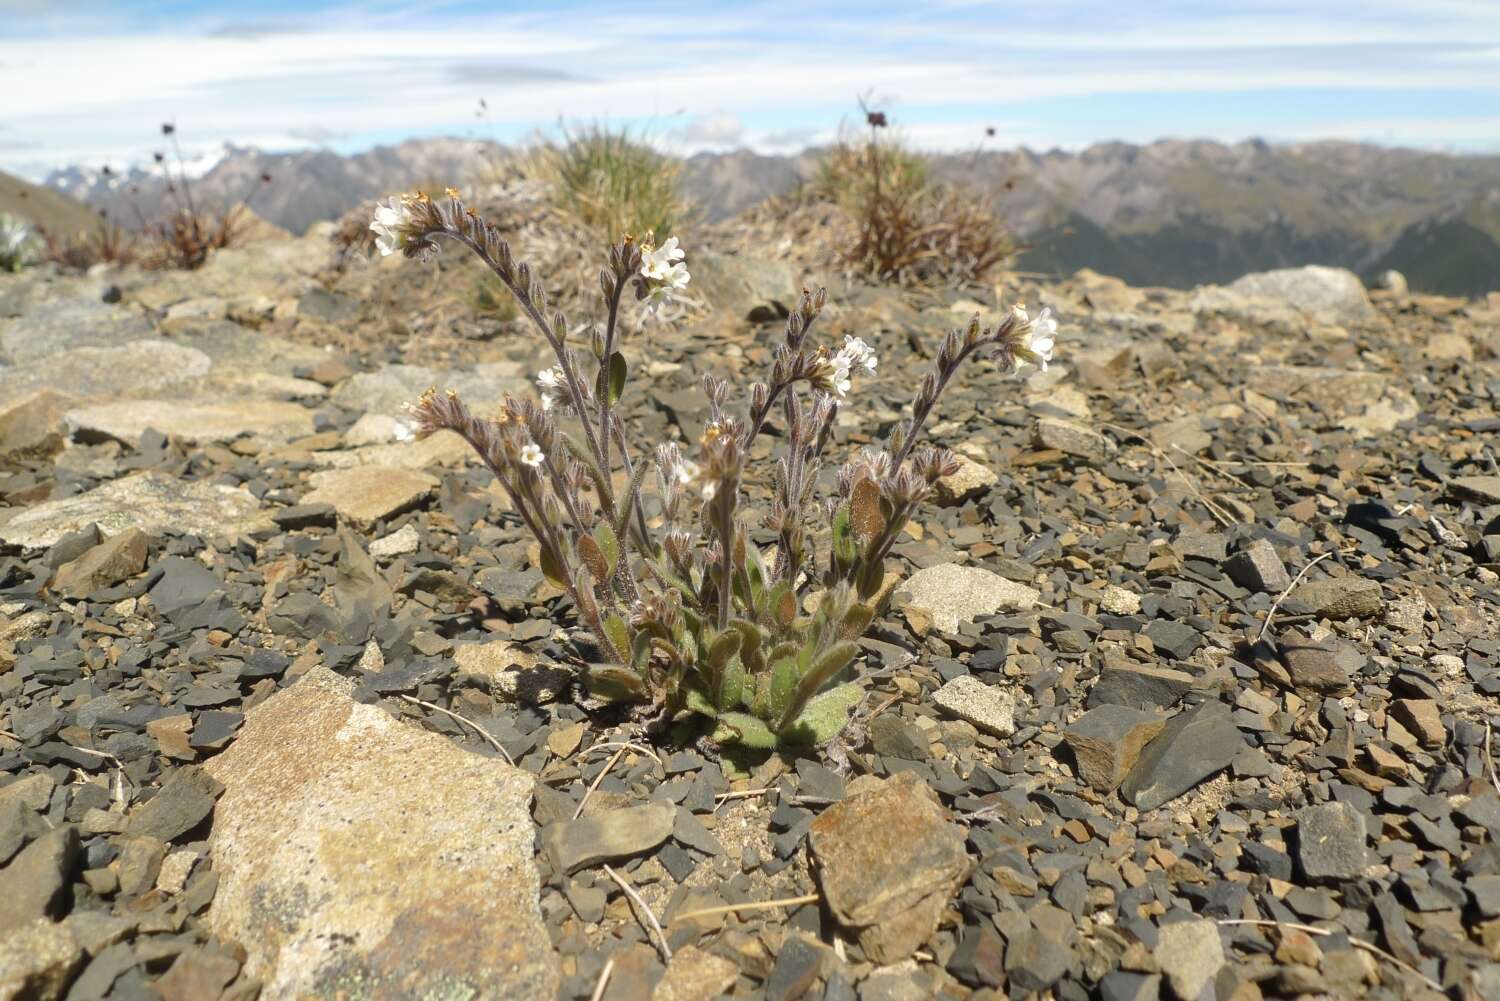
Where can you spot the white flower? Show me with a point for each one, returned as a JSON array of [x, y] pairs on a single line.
[[858, 353], [656, 263], [549, 382], [531, 454], [686, 472], [665, 274], [840, 378], [390, 219], [402, 431], [1043, 337], [710, 490]]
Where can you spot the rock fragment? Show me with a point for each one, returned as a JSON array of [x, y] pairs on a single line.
[[1331, 842], [888, 861], [1107, 741], [607, 837], [1194, 744], [986, 707], [945, 595], [353, 848]]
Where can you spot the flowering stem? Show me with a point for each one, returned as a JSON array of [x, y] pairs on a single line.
[[605, 404]]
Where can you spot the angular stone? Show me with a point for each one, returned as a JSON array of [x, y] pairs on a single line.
[[1485, 489], [1108, 740], [364, 495], [1190, 953], [1331, 842], [193, 423], [153, 502], [1258, 568], [986, 707], [1421, 718], [606, 837], [31, 427], [178, 807], [1070, 439], [945, 595], [399, 543], [36, 882], [1338, 598], [888, 861], [1034, 961], [1195, 744], [1139, 686], [971, 480], [387, 390], [694, 974], [358, 853], [1314, 667], [37, 961], [1337, 390], [513, 673], [442, 449], [113, 560]]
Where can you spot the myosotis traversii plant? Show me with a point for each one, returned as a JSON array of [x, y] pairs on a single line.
[[689, 615]]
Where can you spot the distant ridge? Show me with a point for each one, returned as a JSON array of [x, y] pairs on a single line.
[[1174, 212]]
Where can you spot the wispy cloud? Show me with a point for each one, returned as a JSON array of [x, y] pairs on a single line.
[[93, 86]]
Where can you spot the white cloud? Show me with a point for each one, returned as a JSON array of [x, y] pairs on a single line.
[[99, 92]]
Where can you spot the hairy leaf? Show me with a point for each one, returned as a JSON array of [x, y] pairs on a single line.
[[736, 680], [824, 669], [609, 547], [618, 633], [742, 728], [845, 549], [617, 372], [824, 717], [864, 511], [593, 557], [553, 570], [615, 684], [784, 676], [856, 621]]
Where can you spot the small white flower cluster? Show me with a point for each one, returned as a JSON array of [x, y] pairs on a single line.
[[664, 272], [392, 218], [853, 355], [1038, 336], [531, 454], [549, 382]]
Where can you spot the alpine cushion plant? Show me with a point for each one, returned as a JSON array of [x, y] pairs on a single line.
[[690, 617]]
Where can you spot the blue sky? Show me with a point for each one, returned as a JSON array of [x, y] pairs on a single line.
[[90, 82]]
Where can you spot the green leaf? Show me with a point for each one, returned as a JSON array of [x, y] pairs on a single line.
[[618, 633], [640, 650], [784, 676], [552, 569], [608, 545], [699, 703], [828, 665], [744, 729], [617, 372], [615, 684], [736, 681], [871, 576], [725, 645], [845, 549], [824, 717]]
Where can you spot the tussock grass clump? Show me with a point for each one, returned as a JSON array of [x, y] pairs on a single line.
[[909, 228], [613, 181], [182, 238]]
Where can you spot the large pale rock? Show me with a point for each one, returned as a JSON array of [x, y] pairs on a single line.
[[1334, 389], [387, 390], [63, 324], [37, 961], [364, 495], [361, 856], [941, 597], [971, 480], [194, 423], [116, 558], [889, 860], [107, 371], [1289, 298], [151, 501], [445, 448]]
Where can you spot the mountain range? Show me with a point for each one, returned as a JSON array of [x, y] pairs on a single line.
[[1175, 212]]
